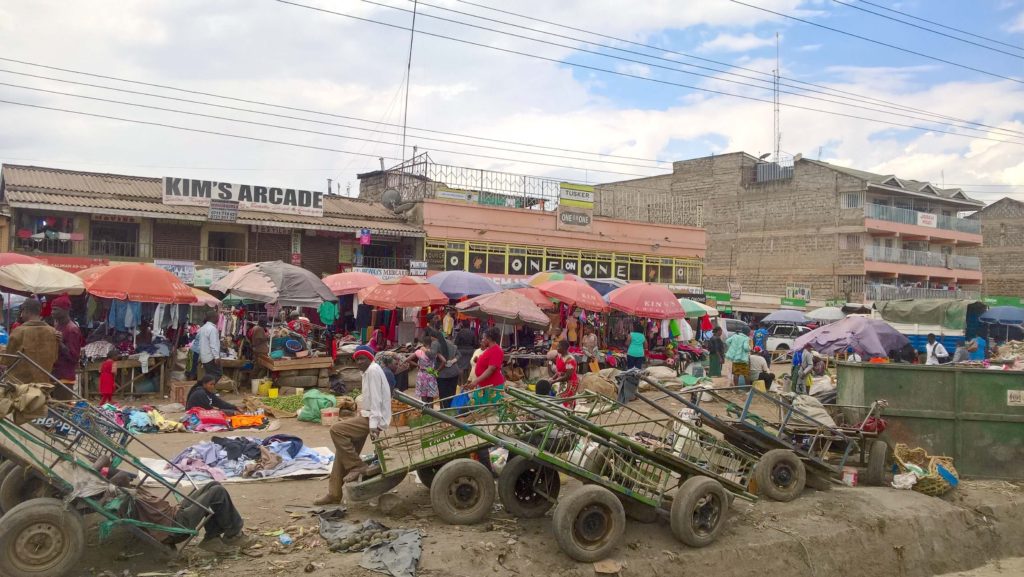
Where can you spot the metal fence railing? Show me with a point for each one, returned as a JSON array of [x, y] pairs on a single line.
[[907, 216], [921, 258]]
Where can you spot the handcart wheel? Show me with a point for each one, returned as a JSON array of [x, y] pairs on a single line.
[[877, 456], [780, 475], [427, 474], [699, 510], [371, 488], [518, 487], [589, 523], [637, 511], [5, 469], [41, 537], [20, 485], [462, 492]]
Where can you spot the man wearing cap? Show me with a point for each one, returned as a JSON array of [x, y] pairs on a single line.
[[349, 435], [66, 367]]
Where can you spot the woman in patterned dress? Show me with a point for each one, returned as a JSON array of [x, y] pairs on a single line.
[[426, 377]]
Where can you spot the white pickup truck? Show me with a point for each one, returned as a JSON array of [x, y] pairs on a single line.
[[781, 337]]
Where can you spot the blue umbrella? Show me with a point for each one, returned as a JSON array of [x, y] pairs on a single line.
[[457, 283], [786, 316], [1003, 316]]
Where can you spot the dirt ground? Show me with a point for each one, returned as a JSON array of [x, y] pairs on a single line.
[[1003, 568], [877, 532]]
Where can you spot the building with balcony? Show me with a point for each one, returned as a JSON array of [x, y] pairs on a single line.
[[799, 230], [74, 220], [509, 226]]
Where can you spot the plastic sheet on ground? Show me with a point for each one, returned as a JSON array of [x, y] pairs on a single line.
[[397, 556], [312, 470]]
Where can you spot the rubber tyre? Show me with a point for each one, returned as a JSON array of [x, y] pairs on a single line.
[[463, 492], [371, 488], [427, 474], [637, 511], [589, 524], [878, 454], [5, 469], [780, 475], [41, 538], [699, 511], [20, 486], [516, 488]]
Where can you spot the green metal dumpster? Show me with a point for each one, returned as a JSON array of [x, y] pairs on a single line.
[[974, 415]]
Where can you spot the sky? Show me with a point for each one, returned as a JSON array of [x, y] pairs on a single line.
[[613, 90]]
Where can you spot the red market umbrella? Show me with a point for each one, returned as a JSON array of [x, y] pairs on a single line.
[[405, 292], [7, 258], [578, 294], [507, 306], [552, 276], [536, 297], [349, 283], [142, 283], [646, 300]]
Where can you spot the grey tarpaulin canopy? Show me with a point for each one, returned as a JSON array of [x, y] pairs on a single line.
[[275, 282]]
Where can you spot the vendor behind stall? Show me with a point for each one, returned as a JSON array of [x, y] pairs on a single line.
[[203, 395]]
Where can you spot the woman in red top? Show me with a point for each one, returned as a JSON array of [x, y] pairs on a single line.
[[565, 365], [488, 365]]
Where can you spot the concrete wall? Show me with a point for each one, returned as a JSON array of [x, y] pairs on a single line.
[[1002, 254], [767, 236]]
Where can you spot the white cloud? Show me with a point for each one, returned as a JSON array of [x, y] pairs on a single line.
[[736, 43], [809, 48], [634, 68], [1018, 24]]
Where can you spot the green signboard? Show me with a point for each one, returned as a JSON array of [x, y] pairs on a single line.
[[1001, 301], [835, 302], [727, 309], [786, 301], [718, 297]]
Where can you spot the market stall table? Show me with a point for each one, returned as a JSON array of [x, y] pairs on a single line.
[[289, 371], [133, 366]]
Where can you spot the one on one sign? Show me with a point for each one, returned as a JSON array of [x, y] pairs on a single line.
[[195, 192]]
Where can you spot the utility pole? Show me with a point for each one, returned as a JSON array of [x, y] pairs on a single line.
[[777, 132]]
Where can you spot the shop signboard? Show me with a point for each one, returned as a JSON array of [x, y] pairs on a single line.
[[835, 302], [204, 277], [576, 195], [1003, 301], [185, 270], [196, 192], [72, 263], [122, 218], [574, 219], [792, 302], [223, 210], [383, 273], [446, 193], [297, 258], [718, 297], [927, 219], [417, 268]]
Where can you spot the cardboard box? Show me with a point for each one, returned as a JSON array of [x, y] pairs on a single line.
[[179, 391]]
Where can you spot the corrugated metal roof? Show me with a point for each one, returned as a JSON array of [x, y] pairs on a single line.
[[954, 194], [74, 191]]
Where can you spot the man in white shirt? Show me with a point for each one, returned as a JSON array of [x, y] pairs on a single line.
[[935, 352], [349, 435], [208, 343]]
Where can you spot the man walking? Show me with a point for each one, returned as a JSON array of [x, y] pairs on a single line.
[[66, 367], [208, 341], [935, 352], [37, 341], [349, 435]]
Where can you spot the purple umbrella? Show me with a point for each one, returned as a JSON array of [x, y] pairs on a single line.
[[870, 337], [457, 283]]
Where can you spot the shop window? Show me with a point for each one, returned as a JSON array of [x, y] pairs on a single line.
[[47, 234], [114, 239]]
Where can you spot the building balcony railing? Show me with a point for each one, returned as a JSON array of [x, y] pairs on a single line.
[[880, 292], [921, 258], [907, 216], [116, 250]]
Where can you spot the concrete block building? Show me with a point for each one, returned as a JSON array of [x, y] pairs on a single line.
[[1002, 255]]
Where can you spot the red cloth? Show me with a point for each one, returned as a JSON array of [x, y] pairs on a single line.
[[62, 302], [107, 381], [705, 323], [299, 326], [492, 357]]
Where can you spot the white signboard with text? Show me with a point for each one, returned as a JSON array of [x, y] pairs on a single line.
[[195, 192]]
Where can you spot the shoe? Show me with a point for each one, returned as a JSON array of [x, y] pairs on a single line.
[[218, 546], [327, 500], [356, 473], [240, 541]]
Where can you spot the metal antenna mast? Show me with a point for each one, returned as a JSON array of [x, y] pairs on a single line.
[[408, 76], [777, 125]]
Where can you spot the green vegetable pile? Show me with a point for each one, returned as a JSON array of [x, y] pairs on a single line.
[[290, 404]]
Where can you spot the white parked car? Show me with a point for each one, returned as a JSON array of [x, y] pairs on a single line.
[[781, 337]]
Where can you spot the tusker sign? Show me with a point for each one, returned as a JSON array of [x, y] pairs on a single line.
[[194, 192]]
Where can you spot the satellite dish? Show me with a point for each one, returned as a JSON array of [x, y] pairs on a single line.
[[391, 198]]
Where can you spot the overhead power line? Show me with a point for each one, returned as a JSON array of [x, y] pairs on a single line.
[[791, 82], [1002, 131], [642, 78], [298, 109], [925, 28], [308, 131], [960, 30], [879, 42]]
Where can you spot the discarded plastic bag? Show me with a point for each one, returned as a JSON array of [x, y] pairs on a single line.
[[312, 402]]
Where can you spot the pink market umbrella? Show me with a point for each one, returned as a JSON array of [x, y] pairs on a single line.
[[405, 292], [205, 299], [350, 283], [537, 297], [871, 337], [578, 294], [646, 300], [552, 276], [507, 306], [7, 258]]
